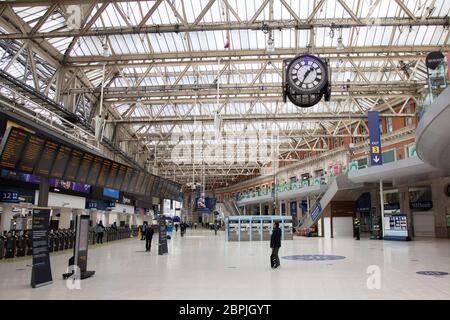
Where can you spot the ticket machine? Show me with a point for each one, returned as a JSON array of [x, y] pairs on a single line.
[[267, 229], [245, 230], [287, 228], [256, 229], [233, 230]]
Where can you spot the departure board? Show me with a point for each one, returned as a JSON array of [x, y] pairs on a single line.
[[85, 166], [31, 154], [94, 171], [120, 177], [112, 175], [73, 165], [104, 173], [61, 161], [128, 177], [46, 161], [12, 147]]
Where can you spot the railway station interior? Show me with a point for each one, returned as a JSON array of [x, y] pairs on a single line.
[[214, 128]]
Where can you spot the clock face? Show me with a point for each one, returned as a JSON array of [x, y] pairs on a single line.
[[307, 74]]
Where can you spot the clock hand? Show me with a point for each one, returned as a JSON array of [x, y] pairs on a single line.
[[306, 74]]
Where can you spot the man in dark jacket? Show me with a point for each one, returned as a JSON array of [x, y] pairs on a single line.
[[275, 243], [148, 238]]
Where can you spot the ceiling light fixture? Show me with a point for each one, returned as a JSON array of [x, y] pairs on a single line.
[[270, 43], [105, 52], [340, 44]]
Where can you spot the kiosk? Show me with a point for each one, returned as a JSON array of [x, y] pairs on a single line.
[[256, 228]]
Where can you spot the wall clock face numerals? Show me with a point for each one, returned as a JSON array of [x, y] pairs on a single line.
[[307, 74]]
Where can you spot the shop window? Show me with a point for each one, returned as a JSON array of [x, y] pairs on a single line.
[[411, 150], [388, 156], [391, 201]]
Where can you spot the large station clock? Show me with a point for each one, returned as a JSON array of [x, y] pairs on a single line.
[[306, 80]]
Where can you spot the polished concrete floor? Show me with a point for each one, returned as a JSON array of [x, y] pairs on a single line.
[[203, 266]]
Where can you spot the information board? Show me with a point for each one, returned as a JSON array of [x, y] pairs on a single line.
[[46, 160], [85, 166], [61, 161], [73, 165], [41, 273], [31, 154], [112, 175], [94, 171], [11, 147], [162, 244]]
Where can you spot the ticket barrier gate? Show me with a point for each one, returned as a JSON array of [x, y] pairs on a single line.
[[10, 251], [20, 252], [56, 241], [66, 239], [2, 247], [29, 241], [256, 231], [51, 242], [62, 240]]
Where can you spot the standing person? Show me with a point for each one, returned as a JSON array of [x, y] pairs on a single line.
[[195, 226], [114, 226], [182, 228], [144, 229], [100, 228], [148, 238], [176, 227], [215, 228], [275, 244]]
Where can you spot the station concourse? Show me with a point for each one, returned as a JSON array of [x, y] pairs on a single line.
[[204, 126]]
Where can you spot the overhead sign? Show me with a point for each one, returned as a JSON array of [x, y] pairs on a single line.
[[31, 153], [316, 212], [41, 273], [375, 138], [434, 59]]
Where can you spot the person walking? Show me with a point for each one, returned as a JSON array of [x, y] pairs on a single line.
[[357, 228], [114, 226], [148, 238], [176, 227], [275, 244], [144, 229], [100, 228], [215, 228]]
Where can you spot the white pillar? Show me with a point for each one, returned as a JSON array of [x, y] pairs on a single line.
[[260, 205]]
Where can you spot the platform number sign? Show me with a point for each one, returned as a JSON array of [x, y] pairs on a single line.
[[9, 197], [375, 138]]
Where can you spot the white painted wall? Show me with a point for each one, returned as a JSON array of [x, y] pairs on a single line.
[[424, 224], [64, 219], [342, 227], [121, 208]]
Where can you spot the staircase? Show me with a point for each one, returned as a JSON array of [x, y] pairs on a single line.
[[228, 208], [341, 183]]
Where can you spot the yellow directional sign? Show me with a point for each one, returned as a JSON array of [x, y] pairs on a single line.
[[375, 149]]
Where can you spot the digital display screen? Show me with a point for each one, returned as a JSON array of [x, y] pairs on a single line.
[[31, 154], [62, 158], [120, 177], [94, 171], [104, 172], [112, 175], [73, 165], [111, 193], [47, 157], [11, 148], [85, 166]]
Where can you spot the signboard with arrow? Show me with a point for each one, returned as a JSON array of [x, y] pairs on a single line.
[[375, 138]]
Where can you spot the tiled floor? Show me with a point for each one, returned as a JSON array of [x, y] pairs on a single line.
[[203, 266]]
